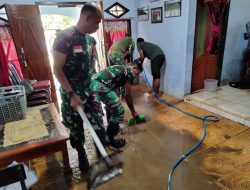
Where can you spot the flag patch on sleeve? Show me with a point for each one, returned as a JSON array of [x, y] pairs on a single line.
[[77, 49]]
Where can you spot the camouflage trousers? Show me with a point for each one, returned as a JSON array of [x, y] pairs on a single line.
[[117, 59], [73, 121], [113, 106]]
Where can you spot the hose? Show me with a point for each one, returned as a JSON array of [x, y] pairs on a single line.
[[210, 118]]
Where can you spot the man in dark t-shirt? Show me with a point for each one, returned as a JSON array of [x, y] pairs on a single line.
[[157, 58]]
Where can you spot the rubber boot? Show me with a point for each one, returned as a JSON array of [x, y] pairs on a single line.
[[82, 156], [112, 131], [82, 159]]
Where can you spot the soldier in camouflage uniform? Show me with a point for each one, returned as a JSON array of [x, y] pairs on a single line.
[[73, 67], [93, 54], [119, 52], [102, 88]]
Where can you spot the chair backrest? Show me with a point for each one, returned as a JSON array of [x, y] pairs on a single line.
[[14, 76], [12, 174]]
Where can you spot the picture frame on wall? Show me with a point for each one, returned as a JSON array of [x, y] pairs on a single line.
[[143, 14], [172, 8], [156, 15]]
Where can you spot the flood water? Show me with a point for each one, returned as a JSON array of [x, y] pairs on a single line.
[[221, 162]]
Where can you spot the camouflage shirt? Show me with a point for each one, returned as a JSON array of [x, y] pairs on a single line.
[[122, 45], [78, 67], [115, 76]]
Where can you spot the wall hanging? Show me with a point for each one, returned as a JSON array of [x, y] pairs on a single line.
[[143, 14], [156, 15], [172, 8], [117, 10]]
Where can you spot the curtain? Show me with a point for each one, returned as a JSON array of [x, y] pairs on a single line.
[[114, 30], [12, 56], [8, 54], [4, 68], [216, 9]]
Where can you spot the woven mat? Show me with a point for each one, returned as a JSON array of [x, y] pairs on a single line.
[[25, 130]]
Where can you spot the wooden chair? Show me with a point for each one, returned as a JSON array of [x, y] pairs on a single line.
[[13, 174]]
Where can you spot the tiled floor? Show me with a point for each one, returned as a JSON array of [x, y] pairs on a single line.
[[226, 101], [220, 163]]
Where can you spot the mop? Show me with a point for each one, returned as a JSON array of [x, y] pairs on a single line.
[[108, 166]]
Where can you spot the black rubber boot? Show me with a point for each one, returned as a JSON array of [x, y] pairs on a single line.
[[117, 143], [82, 159], [82, 156], [112, 131]]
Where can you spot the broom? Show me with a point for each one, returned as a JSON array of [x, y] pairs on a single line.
[[108, 166]]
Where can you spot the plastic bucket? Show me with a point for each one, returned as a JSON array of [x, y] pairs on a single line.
[[210, 85]]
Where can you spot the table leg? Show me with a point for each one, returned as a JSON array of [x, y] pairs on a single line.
[[66, 165]]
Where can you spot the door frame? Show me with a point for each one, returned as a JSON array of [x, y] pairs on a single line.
[[129, 28], [223, 33], [223, 41]]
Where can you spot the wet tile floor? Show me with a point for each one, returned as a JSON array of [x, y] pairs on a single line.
[[226, 101], [221, 162]]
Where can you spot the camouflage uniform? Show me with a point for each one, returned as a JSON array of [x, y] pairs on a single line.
[[117, 53], [78, 69], [102, 88], [92, 44]]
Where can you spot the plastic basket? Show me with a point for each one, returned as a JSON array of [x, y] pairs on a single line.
[[13, 103]]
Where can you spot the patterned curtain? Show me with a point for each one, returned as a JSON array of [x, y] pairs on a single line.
[[115, 29], [4, 68], [8, 53], [216, 10]]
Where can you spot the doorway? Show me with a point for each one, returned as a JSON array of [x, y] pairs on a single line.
[[208, 54], [116, 29], [59, 16]]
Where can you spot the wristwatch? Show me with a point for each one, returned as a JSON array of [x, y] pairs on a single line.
[[70, 94]]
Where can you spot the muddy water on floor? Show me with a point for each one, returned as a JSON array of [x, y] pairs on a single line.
[[151, 150]]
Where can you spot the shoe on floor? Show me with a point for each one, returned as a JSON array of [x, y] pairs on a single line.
[[117, 143]]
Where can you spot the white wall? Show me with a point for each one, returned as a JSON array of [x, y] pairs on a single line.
[[175, 37], [235, 45], [33, 1], [190, 45]]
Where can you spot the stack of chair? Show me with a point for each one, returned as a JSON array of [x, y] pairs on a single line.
[[37, 92]]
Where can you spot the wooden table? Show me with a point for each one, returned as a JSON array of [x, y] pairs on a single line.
[[56, 141]]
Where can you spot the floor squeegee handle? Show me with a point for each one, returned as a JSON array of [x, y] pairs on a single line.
[[92, 132]]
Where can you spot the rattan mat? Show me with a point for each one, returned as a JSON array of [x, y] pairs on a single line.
[[25, 130]]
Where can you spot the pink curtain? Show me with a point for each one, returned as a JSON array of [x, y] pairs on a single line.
[[8, 53], [4, 68], [12, 56], [216, 9], [114, 30], [111, 37]]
